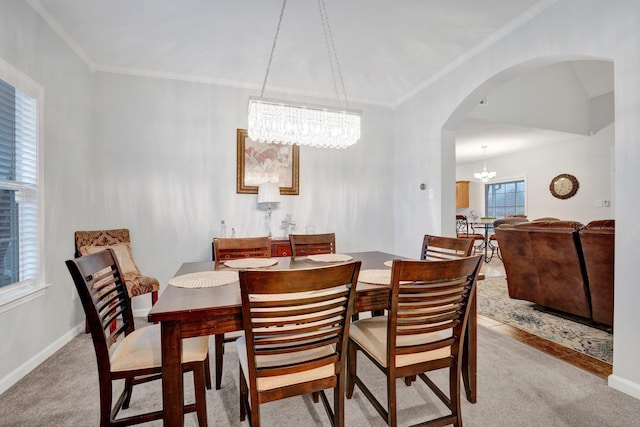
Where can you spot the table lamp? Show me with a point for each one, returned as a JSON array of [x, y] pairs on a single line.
[[268, 192]]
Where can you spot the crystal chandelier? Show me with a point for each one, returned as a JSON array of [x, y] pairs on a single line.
[[484, 176], [284, 122]]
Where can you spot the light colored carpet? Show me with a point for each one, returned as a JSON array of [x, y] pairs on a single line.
[[517, 386]]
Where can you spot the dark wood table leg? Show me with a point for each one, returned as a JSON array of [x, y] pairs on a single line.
[[470, 353], [172, 384]]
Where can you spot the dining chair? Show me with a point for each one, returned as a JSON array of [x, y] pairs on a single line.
[[312, 244], [423, 331], [226, 250], [126, 353], [296, 324], [437, 248], [234, 248], [462, 232], [88, 242]]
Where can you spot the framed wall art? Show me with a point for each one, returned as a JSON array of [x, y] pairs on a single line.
[[259, 162]]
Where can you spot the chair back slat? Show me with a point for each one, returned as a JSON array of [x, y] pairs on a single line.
[[298, 313], [104, 298], [249, 247], [312, 244], [438, 248], [429, 303]]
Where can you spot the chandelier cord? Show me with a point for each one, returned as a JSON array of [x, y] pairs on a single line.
[[273, 48], [331, 51]]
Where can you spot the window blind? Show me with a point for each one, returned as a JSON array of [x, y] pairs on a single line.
[[18, 186]]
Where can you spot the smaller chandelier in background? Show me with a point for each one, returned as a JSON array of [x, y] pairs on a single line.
[[484, 176]]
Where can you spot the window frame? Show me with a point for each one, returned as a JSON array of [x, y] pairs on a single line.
[[504, 181], [16, 294]]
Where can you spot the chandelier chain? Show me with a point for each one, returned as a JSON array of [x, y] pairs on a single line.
[[331, 51], [273, 48]]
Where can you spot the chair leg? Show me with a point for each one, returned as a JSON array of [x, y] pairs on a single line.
[[154, 300], [244, 390], [338, 403], [454, 394], [219, 347], [128, 387], [392, 420], [207, 372], [351, 369], [200, 393]]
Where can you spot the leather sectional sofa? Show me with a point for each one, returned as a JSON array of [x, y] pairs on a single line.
[[562, 265]]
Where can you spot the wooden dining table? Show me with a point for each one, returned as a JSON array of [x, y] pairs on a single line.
[[189, 312]]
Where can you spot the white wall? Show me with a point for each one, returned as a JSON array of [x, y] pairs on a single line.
[[166, 168], [159, 157], [425, 124], [588, 158], [33, 331]]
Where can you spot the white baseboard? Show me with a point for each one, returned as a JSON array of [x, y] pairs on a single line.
[[17, 374], [624, 385]]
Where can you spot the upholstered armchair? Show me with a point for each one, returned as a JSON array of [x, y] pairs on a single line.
[[88, 242]]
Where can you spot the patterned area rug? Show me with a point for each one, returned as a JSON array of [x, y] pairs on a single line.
[[494, 302]]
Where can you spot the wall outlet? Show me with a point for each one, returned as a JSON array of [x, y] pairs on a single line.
[[597, 202]]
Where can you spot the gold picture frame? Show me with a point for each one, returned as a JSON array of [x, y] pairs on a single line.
[[261, 162]]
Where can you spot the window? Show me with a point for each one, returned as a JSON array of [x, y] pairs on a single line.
[[504, 199], [19, 170]]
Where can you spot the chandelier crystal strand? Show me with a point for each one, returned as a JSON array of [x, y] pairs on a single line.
[[284, 122], [317, 126]]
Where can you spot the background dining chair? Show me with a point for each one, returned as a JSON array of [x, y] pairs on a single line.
[[235, 248], [128, 353], [296, 325], [88, 242], [312, 244], [227, 250], [423, 331], [437, 248], [462, 232]]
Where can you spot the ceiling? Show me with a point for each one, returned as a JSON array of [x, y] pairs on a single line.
[[387, 50]]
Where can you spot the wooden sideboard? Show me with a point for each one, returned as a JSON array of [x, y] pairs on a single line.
[[280, 246]]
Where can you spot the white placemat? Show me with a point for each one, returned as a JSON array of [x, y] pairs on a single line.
[[388, 263], [330, 257], [251, 262], [205, 279], [375, 277]]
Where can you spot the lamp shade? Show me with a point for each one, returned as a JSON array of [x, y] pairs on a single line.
[[268, 192]]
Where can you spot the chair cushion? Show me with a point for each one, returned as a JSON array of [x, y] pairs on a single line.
[[123, 254], [371, 335], [269, 383], [141, 349]]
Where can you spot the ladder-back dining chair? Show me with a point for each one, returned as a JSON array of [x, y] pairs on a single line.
[[126, 353], [423, 331], [227, 250], [234, 248], [312, 244], [464, 231], [438, 248], [296, 324]]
